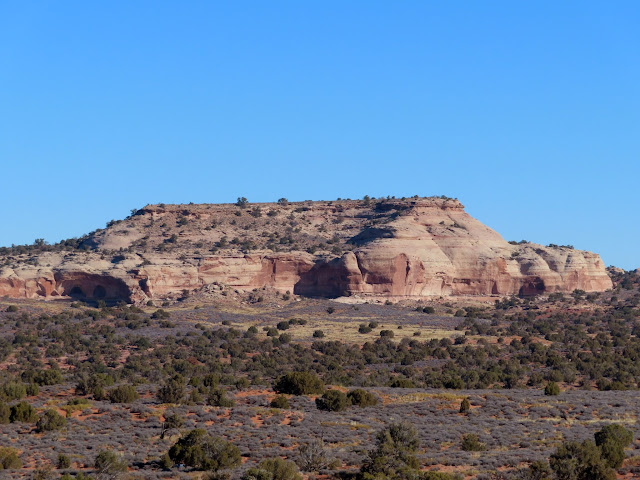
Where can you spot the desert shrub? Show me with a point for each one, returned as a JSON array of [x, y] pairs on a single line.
[[441, 476], [218, 398], [123, 394], [280, 401], [78, 476], [362, 398], [172, 391], [465, 406], [552, 388], [386, 333], [364, 328], [429, 310], [43, 473], [612, 440], [313, 456], [9, 459], [201, 451], [284, 325], [318, 334], [22, 412], [470, 443], [299, 383], [272, 332], [52, 376], [32, 389], [50, 420], [63, 462], [5, 412], [94, 385], [160, 314], [285, 338], [172, 420], [108, 464], [211, 380], [11, 309], [242, 383], [401, 382], [14, 390], [273, 469], [394, 454], [580, 461], [333, 401]]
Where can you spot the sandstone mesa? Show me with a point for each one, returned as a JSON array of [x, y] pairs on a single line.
[[415, 247]]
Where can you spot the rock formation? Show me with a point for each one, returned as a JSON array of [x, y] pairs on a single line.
[[400, 248]]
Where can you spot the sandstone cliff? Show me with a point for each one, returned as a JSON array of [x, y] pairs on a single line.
[[401, 248]]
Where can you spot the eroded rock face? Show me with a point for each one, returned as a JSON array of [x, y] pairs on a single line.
[[397, 248], [444, 251]]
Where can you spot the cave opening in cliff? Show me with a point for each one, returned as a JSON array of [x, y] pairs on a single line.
[[532, 287], [99, 292], [76, 292]]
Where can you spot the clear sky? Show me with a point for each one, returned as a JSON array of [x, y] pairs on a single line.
[[528, 112]]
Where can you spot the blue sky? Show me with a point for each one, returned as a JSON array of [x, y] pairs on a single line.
[[528, 112]]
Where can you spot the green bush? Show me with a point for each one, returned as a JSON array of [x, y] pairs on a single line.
[[50, 421], [123, 394], [172, 391], [465, 406], [242, 383], [218, 398], [201, 451], [22, 412], [5, 412], [612, 440], [284, 325], [362, 398], [318, 334], [9, 459], [108, 464], [401, 382], [299, 383], [333, 401], [285, 338], [52, 376], [14, 390], [552, 388], [394, 454], [429, 310], [470, 443], [78, 476], [280, 401], [364, 328], [63, 462], [32, 390], [273, 469], [580, 461], [387, 333]]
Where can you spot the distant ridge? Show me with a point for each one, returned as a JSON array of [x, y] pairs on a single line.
[[414, 247]]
